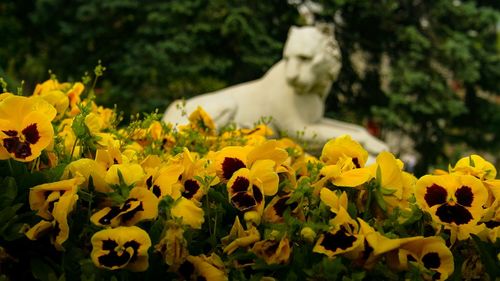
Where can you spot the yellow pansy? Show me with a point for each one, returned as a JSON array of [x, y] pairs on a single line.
[[131, 173], [202, 267], [58, 227], [476, 166], [25, 127], [344, 147], [342, 238], [276, 208], [238, 237], [43, 197], [431, 253], [273, 251], [190, 212], [230, 159], [141, 204], [452, 199], [199, 120], [173, 245], [88, 168], [165, 181], [377, 244], [121, 247], [333, 200]]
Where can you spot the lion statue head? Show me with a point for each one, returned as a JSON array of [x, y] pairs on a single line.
[[312, 59]]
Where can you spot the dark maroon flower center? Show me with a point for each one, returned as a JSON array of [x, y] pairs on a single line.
[[31, 134], [114, 258], [231, 165], [21, 149], [190, 188], [453, 213], [431, 260], [435, 195], [241, 184], [338, 240], [464, 196], [281, 205], [243, 201]]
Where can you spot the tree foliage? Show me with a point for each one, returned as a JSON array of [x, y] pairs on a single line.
[[443, 75], [154, 51]]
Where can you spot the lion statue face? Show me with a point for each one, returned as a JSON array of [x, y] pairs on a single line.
[[312, 60]]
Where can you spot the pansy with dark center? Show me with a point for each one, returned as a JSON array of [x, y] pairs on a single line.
[[338, 240], [121, 247], [280, 206], [15, 144], [452, 199]]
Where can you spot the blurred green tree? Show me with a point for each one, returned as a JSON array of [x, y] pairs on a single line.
[[431, 69], [154, 51]]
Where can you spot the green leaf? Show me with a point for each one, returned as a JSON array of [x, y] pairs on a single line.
[[8, 213], [380, 201], [9, 192], [379, 176], [387, 191], [41, 270], [488, 257]]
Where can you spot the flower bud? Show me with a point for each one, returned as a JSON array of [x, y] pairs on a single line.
[[308, 234]]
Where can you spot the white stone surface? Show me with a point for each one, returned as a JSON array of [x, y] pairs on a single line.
[[292, 93]]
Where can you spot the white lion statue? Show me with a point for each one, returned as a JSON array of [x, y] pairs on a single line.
[[292, 93]]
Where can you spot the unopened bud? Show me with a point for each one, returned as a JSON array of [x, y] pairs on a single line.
[[308, 234]]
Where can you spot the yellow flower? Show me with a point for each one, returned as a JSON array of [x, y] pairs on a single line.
[[344, 147], [333, 200], [165, 181], [229, 160], [141, 204], [268, 150], [58, 228], [88, 168], [452, 199], [396, 186], [201, 267], [246, 188], [74, 97], [173, 246], [202, 122], [342, 238], [239, 237], [342, 175], [431, 253], [25, 127], [272, 251], [476, 166], [275, 210], [43, 197], [58, 100], [190, 212], [131, 173], [377, 244], [121, 247]]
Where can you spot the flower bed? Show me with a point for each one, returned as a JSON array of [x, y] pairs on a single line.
[[86, 200]]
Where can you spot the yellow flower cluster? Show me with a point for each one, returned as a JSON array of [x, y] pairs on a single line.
[[239, 192]]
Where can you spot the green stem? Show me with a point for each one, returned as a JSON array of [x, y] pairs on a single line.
[[368, 202], [10, 167], [73, 149]]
